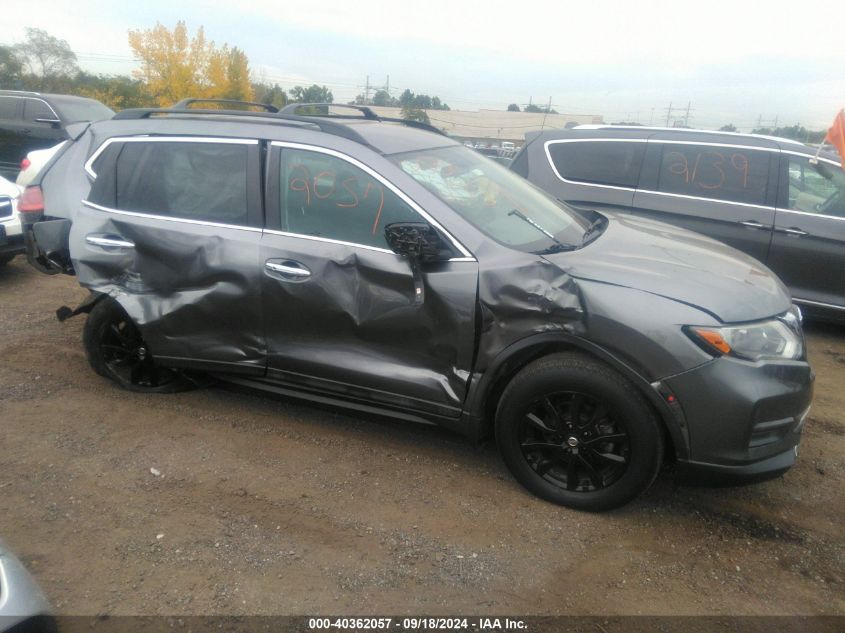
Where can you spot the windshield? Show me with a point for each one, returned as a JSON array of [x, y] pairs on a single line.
[[496, 201], [83, 110]]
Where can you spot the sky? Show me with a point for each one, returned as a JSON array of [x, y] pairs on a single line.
[[731, 62]]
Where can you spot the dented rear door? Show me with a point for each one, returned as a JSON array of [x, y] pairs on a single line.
[[339, 306], [171, 229]]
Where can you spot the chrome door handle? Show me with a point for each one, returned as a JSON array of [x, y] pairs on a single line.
[[791, 231], [752, 224], [288, 269], [108, 241]]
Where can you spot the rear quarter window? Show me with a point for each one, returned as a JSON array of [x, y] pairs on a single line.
[[714, 171], [614, 163], [193, 180], [9, 107]]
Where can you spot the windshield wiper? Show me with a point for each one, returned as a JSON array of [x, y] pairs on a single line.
[[557, 248]]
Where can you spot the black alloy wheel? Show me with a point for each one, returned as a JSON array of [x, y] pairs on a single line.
[[117, 351], [575, 432], [570, 440]]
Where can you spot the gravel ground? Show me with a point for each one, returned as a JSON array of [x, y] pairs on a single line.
[[227, 502]]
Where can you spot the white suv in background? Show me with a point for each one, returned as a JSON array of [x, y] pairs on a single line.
[[32, 164], [11, 237]]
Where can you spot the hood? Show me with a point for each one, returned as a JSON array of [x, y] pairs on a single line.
[[665, 260]]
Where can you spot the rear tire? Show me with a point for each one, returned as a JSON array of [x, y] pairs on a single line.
[[116, 350], [575, 432]]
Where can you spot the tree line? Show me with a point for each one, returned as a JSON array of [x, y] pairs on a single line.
[[173, 65]]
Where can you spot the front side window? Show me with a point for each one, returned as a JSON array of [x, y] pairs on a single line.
[[615, 163], [199, 181], [722, 173], [496, 201], [325, 196], [36, 109], [816, 188]]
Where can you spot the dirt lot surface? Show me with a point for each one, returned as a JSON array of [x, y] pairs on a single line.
[[271, 506]]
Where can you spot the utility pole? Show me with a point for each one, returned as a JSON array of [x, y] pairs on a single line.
[[668, 114], [546, 113], [686, 116], [367, 92]]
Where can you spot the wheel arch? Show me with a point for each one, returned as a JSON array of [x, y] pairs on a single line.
[[487, 391]]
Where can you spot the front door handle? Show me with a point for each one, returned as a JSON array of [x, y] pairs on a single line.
[[108, 241], [753, 224], [288, 269], [791, 231]]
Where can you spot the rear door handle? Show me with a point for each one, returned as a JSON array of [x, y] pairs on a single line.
[[791, 231], [753, 224], [108, 241], [287, 269]]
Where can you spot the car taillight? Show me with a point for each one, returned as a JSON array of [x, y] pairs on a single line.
[[31, 200], [25, 163]]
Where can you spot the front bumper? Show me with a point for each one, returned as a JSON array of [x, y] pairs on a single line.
[[11, 239], [744, 420]]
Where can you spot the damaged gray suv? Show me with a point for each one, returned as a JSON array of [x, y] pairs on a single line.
[[379, 265]]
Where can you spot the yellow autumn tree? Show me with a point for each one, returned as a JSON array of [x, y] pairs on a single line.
[[175, 66]]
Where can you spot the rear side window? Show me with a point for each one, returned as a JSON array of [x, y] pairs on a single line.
[[37, 109], [325, 196], [199, 181], [9, 107], [615, 163], [710, 171]]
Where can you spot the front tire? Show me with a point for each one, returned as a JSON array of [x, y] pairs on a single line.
[[575, 432], [116, 350]]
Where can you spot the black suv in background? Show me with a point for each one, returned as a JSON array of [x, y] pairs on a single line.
[[380, 265], [765, 196], [30, 121]]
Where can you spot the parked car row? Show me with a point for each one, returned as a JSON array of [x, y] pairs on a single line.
[[381, 265], [32, 121], [768, 197]]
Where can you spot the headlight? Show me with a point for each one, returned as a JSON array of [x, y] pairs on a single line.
[[774, 339]]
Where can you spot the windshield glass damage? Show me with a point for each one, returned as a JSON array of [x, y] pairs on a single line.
[[501, 204]]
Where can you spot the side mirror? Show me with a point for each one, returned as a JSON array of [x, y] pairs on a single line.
[[420, 243], [414, 240]]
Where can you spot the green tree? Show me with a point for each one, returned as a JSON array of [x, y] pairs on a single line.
[[383, 98], [533, 107], [415, 114], [795, 132], [513, 108], [406, 99], [272, 94], [47, 60], [730, 127], [11, 67], [312, 94], [116, 91]]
